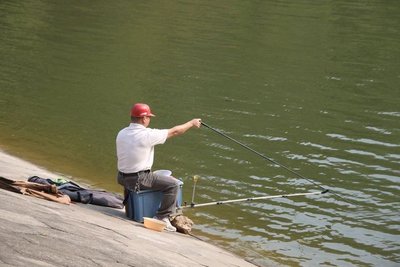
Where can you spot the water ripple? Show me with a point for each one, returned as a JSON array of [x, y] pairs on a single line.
[[217, 145], [364, 153], [395, 114], [391, 178], [376, 129], [317, 146], [362, 140], [270, 138]]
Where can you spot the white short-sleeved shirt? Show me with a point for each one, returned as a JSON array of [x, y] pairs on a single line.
[[135, 147]]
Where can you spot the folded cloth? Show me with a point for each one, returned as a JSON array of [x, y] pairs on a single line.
[[44, 191]]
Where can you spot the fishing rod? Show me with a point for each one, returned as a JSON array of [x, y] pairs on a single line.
[[194, 205], [264, 157]]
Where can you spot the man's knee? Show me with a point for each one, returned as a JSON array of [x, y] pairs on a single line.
[[173, 187]]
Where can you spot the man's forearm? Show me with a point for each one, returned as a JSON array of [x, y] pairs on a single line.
[[180, 129]]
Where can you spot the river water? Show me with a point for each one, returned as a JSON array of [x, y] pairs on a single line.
[[313, 85]]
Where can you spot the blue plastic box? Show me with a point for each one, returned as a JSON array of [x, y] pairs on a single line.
[[145, 203]]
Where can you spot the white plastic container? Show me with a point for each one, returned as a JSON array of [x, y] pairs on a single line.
[[163, 172]]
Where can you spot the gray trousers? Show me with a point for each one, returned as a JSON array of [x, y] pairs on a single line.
[[168, 185]]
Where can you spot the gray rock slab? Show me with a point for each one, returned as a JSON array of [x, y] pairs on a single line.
[[36, 232]]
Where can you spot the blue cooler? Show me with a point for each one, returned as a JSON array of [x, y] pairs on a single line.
[[145, 203]]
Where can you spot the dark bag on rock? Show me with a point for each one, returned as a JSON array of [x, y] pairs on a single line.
[[83, 195]]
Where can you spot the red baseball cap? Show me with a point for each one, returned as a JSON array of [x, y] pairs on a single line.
[[141, 110]]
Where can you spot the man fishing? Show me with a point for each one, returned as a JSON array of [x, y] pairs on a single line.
[[135, 153]]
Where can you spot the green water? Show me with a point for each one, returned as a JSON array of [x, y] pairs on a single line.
[[313, 85]]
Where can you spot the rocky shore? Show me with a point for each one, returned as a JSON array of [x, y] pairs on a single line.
[[36, 232]]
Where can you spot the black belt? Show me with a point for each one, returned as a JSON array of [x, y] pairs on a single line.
[[133, 173]]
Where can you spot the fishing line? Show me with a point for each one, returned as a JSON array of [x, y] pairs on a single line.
[[277, 163], [261, 155]]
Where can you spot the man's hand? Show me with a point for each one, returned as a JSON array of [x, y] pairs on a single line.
[[196, 123]]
